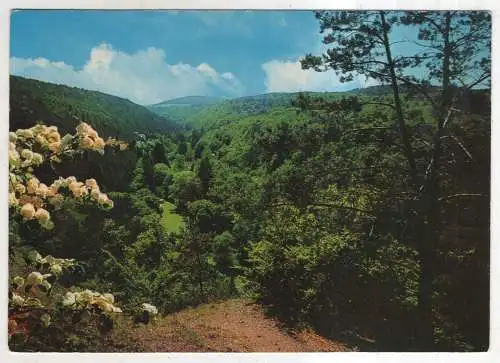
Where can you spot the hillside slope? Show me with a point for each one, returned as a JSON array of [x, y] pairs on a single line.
[[65, 107], [32, 101]]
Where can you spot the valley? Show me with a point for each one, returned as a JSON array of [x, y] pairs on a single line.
[[278, 222]]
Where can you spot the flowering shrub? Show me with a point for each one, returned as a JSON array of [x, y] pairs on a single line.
[[145, 314], [32, 298], [33, 303], [29, 148]]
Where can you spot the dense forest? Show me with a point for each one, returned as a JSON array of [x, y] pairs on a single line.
[[360, 213]]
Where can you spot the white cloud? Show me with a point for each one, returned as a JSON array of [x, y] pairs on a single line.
[[144, 77], [227, 75], [288, 76], [205, 69], [367, 82]]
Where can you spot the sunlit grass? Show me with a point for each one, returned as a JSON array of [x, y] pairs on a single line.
[[171, 221]]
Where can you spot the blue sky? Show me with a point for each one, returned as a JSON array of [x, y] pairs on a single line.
[[150, 56]]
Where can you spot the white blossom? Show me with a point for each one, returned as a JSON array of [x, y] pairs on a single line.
[[69, 299], [17, 299], [34, 278], [151, 309]]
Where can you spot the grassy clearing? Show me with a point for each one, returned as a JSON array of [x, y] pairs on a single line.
[[171, 221]]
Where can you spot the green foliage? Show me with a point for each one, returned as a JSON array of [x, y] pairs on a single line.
[[185, 188]]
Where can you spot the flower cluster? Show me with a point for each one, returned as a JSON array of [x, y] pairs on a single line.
[[150, 309], [54, 265], [32, 291], [32, 196], [23, 158], [120, 145], [89, 139], [87, 298], [31, 147], [42, 138], [27, 194]]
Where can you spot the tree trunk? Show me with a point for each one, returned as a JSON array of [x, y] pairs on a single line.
[[431, 208], [200, 276], [424, 326], [408, 151]]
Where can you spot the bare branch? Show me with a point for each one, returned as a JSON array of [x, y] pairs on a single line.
[[428, 170], [398, 41], [483, 77], [448, 117], [469, 155], [427, 46], [461, 195], [426, 143]]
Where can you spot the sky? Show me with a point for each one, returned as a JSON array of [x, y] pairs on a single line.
[[152, 56]]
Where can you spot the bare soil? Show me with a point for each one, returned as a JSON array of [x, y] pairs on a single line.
[[229, 326]]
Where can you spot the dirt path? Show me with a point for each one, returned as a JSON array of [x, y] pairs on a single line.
[[230, 326]]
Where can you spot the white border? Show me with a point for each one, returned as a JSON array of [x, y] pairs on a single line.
[[6, 356], [251, 4]]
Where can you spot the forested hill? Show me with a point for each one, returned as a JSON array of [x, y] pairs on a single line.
[[199, 111], [33, 101], [211, 112], [187, 101], [65, 107]]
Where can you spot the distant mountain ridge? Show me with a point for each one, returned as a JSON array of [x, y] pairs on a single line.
[[208, 100], [189, 110], [182, 109], [198, 110], [188, 101]]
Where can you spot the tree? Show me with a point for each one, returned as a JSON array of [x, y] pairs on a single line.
[[185, 188], [162, 177], [159, 153], [208, 216], [362, 47], [205, 173], [456, 53]]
